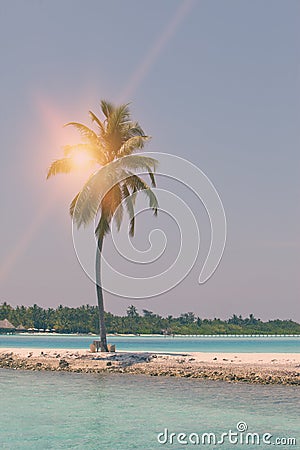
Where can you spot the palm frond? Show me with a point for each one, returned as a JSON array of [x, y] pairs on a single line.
[[100, 124], [118, 216], [153, 202], [73, 204], [107, 108], [152, 178], [112, 199], [93, 193], [103, 227], [86, 204], [118, 117], [130, 207], [86, 132], [63, 165], [138, 162], [134, 129], [92, 151], [69, 149], [132, 144], [135, 182], [111, 207]]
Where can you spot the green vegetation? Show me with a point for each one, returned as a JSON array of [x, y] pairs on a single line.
[[85, 319], [115, 184]]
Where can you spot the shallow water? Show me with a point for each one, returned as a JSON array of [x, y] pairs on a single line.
[[167, 344], [48, 410]]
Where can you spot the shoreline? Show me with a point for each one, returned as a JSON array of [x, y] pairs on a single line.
[[242, 335], [257, 368]]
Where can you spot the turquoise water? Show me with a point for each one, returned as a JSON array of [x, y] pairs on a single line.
[[167, 344], [48, 410]]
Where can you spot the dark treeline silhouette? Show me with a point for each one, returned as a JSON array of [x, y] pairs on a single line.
[[84, 319]]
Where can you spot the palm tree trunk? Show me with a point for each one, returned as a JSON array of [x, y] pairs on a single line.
[[103, 341]]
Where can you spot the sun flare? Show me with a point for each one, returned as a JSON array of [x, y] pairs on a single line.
[[80, 160]]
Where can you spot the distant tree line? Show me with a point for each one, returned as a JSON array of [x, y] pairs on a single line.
[[84, 319]]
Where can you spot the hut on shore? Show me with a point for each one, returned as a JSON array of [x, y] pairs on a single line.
[[6, 327], [21, 329]]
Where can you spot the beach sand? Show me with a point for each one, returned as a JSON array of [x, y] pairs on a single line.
[[265, 368]]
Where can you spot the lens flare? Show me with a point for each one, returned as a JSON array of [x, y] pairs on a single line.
[[80, 160]]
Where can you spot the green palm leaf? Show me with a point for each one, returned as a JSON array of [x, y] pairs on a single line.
[[130, 207], [103, 227], [118, 216], [63, 165], [138, 162], [73, 204], [100, 124], [118, 117], [152, 178], [111, 206], [86, 132], [133, 129], [107, 108], [136, 183], [132, 144], [92, 193]]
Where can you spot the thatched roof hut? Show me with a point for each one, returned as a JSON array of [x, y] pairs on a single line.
[[6, 326], [21, 328]]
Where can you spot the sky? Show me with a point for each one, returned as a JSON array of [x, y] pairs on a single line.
[[216, 83]]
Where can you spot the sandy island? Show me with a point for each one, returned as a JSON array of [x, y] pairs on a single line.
[[264, 368]]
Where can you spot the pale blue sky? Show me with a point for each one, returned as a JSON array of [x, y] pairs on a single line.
[[220, 88]]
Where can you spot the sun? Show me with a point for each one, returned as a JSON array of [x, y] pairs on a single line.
[[80, 160]]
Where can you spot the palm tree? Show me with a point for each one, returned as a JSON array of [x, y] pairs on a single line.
[[113, 184], [132, 312]]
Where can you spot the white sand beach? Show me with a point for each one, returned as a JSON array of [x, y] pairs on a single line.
[[266, 368], [207, 357]]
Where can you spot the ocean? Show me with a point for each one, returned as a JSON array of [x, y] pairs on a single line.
[[51, 410], [163, 344]]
